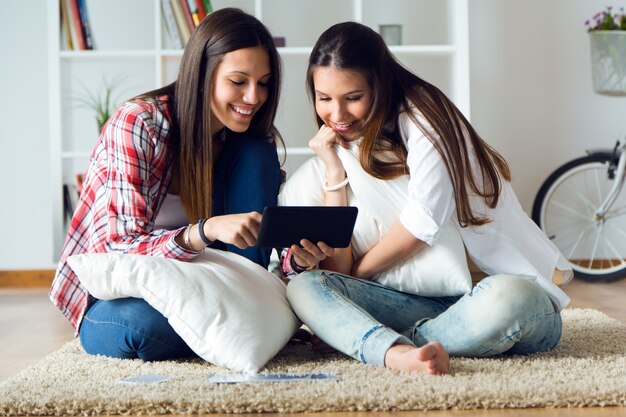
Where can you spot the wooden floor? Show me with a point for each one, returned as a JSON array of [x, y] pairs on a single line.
[[31, 327]]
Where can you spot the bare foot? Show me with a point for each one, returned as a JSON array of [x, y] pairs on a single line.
[[431, 358]]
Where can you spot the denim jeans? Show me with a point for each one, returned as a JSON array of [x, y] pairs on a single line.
[[246, 178], [130, 328], [363, 319]]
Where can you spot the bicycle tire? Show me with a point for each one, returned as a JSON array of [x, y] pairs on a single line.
[[564, 209]]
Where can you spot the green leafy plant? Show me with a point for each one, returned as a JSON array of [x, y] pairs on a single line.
[[100, 102], [607, 20]]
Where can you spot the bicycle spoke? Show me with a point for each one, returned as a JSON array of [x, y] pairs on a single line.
[[576, 191], [566, 229], [621, 231], [566, 211], [570, 210], [615, 213], [595, 246], [576, 243], [618, 257], [598, 186]]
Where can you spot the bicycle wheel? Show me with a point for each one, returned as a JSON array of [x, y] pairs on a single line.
[[565, 209]]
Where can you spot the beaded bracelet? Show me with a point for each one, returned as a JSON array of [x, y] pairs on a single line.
[[201, 233], [335, 187]]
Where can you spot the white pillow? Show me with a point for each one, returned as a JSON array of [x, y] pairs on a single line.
[[436, 271], [229, 310]]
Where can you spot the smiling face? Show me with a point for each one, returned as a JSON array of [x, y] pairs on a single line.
[[343, 99], [240, 87]]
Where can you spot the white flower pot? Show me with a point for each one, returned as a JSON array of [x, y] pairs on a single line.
[[608, 62]]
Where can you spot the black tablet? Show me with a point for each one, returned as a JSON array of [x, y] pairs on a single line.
[[282, 227]]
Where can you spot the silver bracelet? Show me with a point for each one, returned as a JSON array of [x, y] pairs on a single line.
[[335, 187], [187, 238]]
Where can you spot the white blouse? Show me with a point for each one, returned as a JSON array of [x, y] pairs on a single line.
[[510, 244]]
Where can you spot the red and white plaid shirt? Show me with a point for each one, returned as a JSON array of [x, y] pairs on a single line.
[[126, 182]]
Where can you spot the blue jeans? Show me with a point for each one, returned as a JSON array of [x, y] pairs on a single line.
[[363, 319], [246, 178], [130, 328]]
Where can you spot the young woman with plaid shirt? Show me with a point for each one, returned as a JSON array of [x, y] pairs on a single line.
[[176, 170]]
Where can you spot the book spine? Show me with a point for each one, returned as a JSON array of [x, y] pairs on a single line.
[[70, 22], [187, 13], [193, 9], [208, 6], [66, 26], [76, 24], [179, 15], [85, 26], [201, 9], [170, 24], [79, 183], [196, 19], [70, 201]]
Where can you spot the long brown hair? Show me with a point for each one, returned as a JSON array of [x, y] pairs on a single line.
[[395, 89], [189, 99]]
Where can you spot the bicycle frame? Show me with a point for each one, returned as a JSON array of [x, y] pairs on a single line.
[[619, 153]]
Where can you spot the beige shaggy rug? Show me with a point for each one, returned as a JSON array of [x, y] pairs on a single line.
[[587, 369]]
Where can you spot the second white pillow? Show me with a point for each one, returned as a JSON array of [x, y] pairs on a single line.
[[436, 271], [229, 310]]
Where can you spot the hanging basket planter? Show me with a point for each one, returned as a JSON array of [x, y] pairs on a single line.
[[608, 62]]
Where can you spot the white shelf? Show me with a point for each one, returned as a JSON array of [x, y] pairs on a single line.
[[295, 50], [436, 48], [121, 53], [296, 151], [75, 155], [172, 53]]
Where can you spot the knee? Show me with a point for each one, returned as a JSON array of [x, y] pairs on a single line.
[[303, 286], [121, 328], [314, 288], [511, 297]]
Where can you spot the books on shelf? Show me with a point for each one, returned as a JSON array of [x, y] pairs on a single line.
[[85, 26], [65, 29], [181, 17], [71, 194], [181, 24], [200, 7], [75, 25], [188, 16], [170, 24]]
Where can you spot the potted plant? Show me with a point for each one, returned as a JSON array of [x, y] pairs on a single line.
[[607, 32], [101, 102]]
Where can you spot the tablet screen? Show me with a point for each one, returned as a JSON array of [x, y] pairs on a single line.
[[282, 227]]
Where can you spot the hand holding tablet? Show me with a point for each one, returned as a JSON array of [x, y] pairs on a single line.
[[282, 227]]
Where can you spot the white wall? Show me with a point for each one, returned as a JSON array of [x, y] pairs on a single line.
[[530, 87], [531, 94], [25, 219]]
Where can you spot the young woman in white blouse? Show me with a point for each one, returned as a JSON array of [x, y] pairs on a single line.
[[363, 95]]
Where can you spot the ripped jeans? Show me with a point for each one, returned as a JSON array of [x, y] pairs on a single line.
[[363, 319]]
